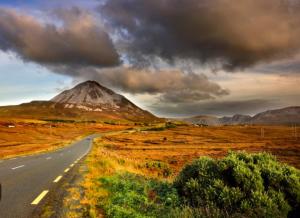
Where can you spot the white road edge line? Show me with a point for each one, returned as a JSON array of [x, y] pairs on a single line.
[[39, 198], [14, 168], [57, 179], [66, 170], [48, 158]]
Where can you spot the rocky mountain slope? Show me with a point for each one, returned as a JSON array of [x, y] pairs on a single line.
[[91, 96], [235, 119], [87, 100], [204, 120], [284, 116], [289, 115]]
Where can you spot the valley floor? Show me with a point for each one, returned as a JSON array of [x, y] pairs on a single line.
[[161, 153], [177, 146], [24, 136], [133, 158]]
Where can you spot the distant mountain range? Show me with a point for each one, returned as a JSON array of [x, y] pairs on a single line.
[[91, 101], [284, 116], [86, 101]]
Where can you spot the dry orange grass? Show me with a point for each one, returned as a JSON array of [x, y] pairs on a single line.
[[178, 146], [32, 136], [162, 154]]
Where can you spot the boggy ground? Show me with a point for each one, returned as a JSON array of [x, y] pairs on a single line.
[[24, 136], [176, 146], [161, 153]]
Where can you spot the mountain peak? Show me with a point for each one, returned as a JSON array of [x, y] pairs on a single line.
[[89, 93], [89, 83], [90, 96], [86, 101]]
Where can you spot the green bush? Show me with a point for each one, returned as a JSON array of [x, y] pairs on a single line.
[[161, 128], [133, 196], [254, 184], [166, 126], [163, 168], [170, 125]]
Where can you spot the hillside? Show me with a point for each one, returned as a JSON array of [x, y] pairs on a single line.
[[284, 116], [288, 115], [86, 101], [203, 120]]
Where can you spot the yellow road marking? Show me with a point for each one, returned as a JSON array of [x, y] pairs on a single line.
[[66, 170], [71, 165], [57, 179], [40, 197]]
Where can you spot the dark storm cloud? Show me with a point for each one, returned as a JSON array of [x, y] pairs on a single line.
[[186, 96], [219, 108], [285, 67], [78, 40], [170, 85], [234, 34]]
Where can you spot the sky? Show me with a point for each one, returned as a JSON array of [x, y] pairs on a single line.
[[175, 58]]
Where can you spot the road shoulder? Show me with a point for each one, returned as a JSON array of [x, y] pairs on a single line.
[[65, 197]]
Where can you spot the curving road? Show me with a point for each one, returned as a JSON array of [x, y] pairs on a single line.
[[25, 181]]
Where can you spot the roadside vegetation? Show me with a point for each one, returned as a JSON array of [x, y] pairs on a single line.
[[132, 179]]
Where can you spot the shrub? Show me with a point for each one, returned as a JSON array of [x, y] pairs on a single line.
[[170, 125], [163, 168], [132, 196], [241, 182], [161, 128], [166, 126]]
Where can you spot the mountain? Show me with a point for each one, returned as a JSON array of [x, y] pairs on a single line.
[[284, 116], [87, 100], [91, 96], [203, 120], [236, 119], [289, 115]]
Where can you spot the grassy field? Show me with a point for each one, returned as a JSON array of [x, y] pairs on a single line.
[[131, 174], [177, 146], [31, 136], [123, 166]]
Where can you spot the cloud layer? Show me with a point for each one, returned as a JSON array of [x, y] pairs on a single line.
[[170, 85], [79, 40], [234, 34], [219, 108], [158, 48]]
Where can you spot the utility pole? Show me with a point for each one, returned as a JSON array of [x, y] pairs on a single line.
[[295, 131], [262, 132]]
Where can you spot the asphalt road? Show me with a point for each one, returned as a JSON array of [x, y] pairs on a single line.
[[25, 181]]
